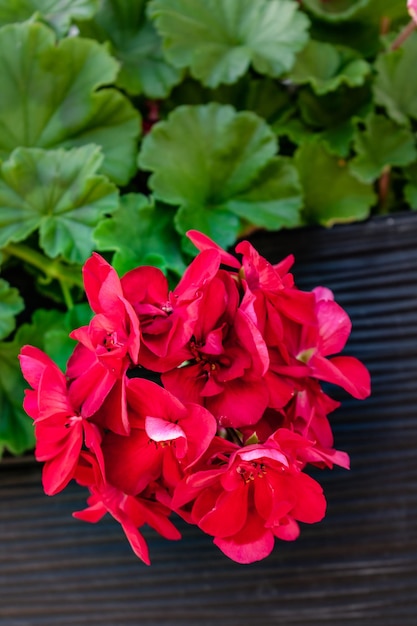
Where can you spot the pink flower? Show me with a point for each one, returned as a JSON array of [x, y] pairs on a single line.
[[60, 428], [247, 500], [107, 347], [166, 438], [167, 319], [131, 512], [412, 9]]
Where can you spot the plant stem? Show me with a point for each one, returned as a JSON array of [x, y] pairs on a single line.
[[404, 34], [66, 292], [52, 268], [384, 183]]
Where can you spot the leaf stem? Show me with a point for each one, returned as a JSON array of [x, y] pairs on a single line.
[[404, 34], [66, 292], [384, 184], [52, 268]]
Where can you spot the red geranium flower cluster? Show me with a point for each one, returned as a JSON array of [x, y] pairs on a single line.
[[225, 439]]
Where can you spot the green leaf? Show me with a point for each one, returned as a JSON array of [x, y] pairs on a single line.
[[221, 226], [56, 340], [211, 161], [268, 99], [362, 29], [49, 330], [395, 87], [10, 305], [381, 143], [141, 232], [410, 189], [52, 96], [137, 46], [333, 115], [58, 192], [16, 428], [218, 39], [335, 10], [331, 193], [325, 67], [58, 13], [273, 199], [294, 129], [394, 10]]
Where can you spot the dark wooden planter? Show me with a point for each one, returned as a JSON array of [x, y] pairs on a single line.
[[359, 566]]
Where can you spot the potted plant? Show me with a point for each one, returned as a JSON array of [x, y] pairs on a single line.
[[126, 125]]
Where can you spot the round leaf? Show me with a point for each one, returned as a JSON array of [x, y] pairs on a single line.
[[16, 428], [50, 98], [212, 161], [10, 305], [331, 193], [58, 13], [137, 46], [141, 232], [325, 67], [381, 143], [58, 192], [335, 10], [395, 87], [219, 39]]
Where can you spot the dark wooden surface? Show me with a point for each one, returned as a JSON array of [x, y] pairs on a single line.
[[359, 566]]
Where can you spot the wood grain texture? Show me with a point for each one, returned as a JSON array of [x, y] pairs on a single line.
[[359, 566]]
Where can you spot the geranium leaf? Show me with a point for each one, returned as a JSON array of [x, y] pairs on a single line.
[[221, 226], [219, 39], [137, 46], [360, 30], [49, 98], [141, 232], [56, 340], [335, 10], [382, 142], [16, 428], [394, 10], [49, 330], [393, 88], [210, 160], [268, 99], [294, 129], [333, 115], [274, 198], [331, 193], [58, 13], [58, 192], [325, 67], [10, 305]]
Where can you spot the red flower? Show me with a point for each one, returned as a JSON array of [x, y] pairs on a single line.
[[60, 428], [108, 346], [166, 438], [241, 352], [255, 495], [167, 319], [131, 512], [305, 349], [225, 359]]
